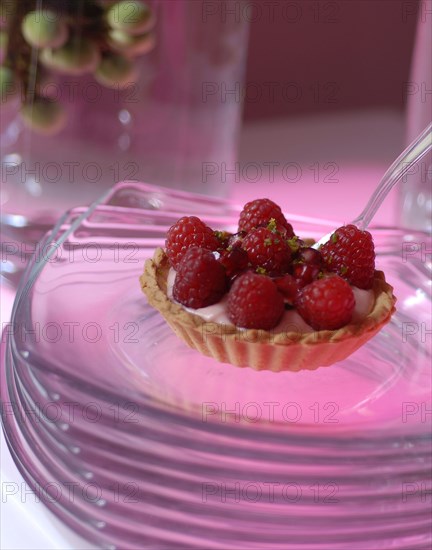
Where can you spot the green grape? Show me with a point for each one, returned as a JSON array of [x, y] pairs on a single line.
[[115, 71], [48, 85], [44, 29], [79, 56], [8, 85], [44, 116], [4, 38], [130, 16], [131, 45]]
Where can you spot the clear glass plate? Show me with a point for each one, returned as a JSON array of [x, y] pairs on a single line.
[[137, 441]]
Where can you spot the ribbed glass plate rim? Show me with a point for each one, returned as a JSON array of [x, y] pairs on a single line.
[[355, 438], [76, 518]]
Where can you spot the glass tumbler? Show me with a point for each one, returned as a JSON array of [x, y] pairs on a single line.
[[94, 92], [416, 189]]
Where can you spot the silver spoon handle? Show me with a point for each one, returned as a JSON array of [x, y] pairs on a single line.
[[413, 153]]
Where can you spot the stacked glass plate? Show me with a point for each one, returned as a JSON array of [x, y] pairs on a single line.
[[136, 441]]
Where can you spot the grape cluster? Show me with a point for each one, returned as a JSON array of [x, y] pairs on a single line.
[[101, 38]]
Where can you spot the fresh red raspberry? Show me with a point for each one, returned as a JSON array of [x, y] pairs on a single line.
[[296, 245], [351, 254], [309, 255], [288, 287], [267, 250], [186, 232], [326, 304], [200, 279], [304, 274], [285, 231], [236, 239], [255, 302], [234, 260], [224, 238], [259, 212]]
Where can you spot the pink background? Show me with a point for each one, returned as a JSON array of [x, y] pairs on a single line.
[[354, 53]]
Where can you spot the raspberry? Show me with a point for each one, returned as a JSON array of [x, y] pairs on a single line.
[[236, 239], [304, 274], [326, 304], [186, 232], [234, 260], [255, 302], [285, 231], [288, 286], [295, 245], [307, 266], [309, 256], [259, 212], [200, 279], [350, 253], [267, 250], [224, 238]]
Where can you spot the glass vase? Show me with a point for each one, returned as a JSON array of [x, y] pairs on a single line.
[[95, 92]]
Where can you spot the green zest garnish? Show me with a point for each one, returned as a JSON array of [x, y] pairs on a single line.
[[293, 243], [272, 226], [221, 235]]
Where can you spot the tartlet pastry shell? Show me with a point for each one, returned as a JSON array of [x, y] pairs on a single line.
[[261, 349]]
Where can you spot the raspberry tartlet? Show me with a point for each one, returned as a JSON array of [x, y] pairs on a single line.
[[262, 297]]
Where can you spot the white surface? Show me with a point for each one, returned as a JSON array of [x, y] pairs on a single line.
[[24, 522], [363, 145]]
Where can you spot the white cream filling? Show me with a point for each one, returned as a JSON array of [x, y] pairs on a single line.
[[291, 321]]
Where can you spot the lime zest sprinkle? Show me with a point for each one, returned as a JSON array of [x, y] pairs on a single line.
[[293, 244], [272, 226]]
